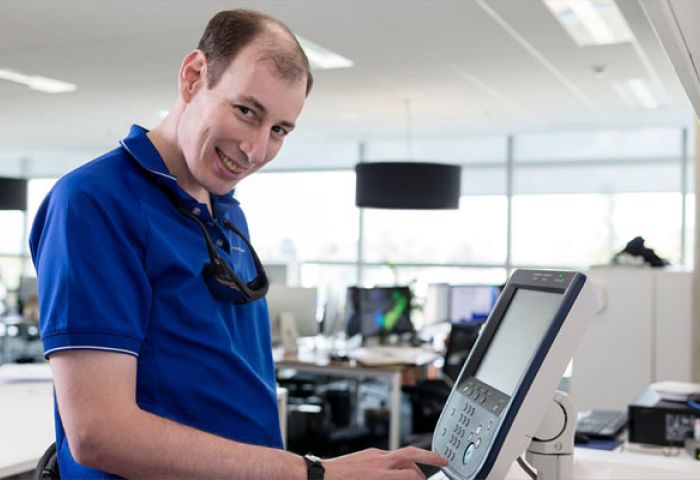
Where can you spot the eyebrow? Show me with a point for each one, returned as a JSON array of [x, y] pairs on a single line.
[[254, 101]]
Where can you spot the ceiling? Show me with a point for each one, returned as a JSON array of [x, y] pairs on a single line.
[[467, 66]]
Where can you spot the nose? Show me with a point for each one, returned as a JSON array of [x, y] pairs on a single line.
[[255, 147]]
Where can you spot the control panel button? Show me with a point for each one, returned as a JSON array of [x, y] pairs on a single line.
[[477, 444], [444, 431], [478, 429], [468, 453]]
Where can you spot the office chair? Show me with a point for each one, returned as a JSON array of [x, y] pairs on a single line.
[[47, 467], [428, 397], [459, 344]]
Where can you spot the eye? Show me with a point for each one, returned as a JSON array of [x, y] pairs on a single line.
[[281, 131], [245, 111]]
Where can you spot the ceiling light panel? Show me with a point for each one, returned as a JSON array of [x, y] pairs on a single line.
[[36, 82], [639, 93], [321, 58], [591, 22]]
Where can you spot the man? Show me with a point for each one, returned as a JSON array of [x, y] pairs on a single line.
[[163, 368]]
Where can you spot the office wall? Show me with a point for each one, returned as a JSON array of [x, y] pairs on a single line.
[[696, 274]]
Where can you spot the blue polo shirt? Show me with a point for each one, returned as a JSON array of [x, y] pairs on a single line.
[[119, 270]]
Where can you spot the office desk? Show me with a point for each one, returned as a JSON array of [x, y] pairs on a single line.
[[26, 422], [322, 365], [601, 464], [27, 417]]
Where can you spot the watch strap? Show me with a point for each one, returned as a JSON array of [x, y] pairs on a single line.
[[315, 470]]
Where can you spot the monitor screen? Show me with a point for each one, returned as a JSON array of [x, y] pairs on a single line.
[[298, 301], [524, 324], [472, 303], [378, 311]]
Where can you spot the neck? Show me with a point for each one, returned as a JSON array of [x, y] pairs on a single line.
[[164, 139]]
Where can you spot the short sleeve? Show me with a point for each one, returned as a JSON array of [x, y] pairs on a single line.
[[87, 244]]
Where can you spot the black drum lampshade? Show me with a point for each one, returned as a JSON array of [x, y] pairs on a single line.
[[13, 194], [407, 185]]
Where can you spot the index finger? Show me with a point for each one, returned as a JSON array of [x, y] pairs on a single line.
[[426, 457]]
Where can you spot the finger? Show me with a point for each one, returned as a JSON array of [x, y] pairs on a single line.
[[417, 455]]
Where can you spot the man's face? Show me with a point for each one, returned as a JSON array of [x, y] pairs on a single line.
[[233, 129]]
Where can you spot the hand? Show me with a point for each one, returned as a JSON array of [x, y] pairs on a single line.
[[382, 465]]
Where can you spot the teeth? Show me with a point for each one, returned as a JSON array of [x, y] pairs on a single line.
[[228, 162]]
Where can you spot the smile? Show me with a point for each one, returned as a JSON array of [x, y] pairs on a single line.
[[228, 163]]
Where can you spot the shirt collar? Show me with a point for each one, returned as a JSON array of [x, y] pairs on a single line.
[[141, 149]]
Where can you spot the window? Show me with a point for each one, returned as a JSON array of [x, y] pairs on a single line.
[[588, 229], [296, 217], [474, 234], [576, 198]]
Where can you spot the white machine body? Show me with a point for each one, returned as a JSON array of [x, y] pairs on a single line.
[[483, 428]]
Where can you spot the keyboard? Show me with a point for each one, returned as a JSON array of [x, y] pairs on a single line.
[[386, 355], [604, 424]]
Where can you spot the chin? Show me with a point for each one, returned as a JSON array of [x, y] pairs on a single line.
[[223, 189]]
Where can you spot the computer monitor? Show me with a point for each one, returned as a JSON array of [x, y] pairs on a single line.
[[508, 380], [378, 311], [436, 308], [277, 273], [27, 289], [472, 303], [300, 302]]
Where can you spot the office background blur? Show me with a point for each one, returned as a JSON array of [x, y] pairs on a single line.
[[572, 130], [564, 157]]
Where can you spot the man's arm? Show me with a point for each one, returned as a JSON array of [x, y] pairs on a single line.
[[106, 430]]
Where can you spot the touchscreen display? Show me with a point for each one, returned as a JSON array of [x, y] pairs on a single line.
[[529, 315]]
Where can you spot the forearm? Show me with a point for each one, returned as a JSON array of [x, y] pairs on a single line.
[[138, 444]]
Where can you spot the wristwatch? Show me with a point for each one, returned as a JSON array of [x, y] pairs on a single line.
[[315, 467]]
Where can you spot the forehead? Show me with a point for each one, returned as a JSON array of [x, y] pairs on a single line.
[[249, 75]]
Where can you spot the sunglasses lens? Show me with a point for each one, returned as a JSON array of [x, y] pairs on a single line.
[[224, 291]]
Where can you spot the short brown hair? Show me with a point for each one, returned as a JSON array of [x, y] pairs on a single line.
[[229, 31]]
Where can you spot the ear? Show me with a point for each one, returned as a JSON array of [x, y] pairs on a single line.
[[192, 74]]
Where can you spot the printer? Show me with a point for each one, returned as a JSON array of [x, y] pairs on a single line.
[[654, 420]]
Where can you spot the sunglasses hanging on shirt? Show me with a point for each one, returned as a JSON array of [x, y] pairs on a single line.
[[221, 280]]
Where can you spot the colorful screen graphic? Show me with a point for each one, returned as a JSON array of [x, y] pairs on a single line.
[[378, 311]]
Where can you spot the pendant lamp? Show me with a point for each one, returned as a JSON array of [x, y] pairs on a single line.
[[407, 185], [13, 194]]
